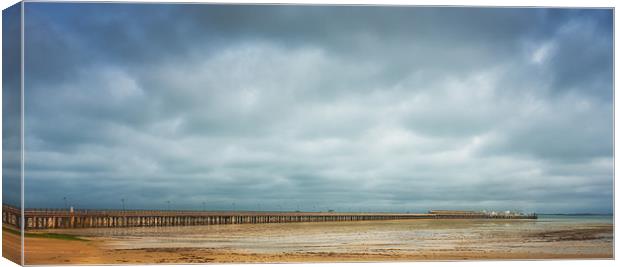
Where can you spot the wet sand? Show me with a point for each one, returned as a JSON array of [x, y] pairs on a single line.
[[370, 241]]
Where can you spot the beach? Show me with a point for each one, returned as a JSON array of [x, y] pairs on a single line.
[[11, 245], [361, 241]]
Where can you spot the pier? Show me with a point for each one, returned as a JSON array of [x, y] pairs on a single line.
[[69, 218]]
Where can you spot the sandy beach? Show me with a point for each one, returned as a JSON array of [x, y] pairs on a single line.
[[11, 246], [366, 241]]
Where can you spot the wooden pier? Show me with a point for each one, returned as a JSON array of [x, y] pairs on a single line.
[[63, 218]]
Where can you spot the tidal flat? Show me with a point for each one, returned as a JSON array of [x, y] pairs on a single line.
[[549, 237]]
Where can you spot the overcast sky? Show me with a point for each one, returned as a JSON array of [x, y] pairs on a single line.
[[315, 108], [11, 93]]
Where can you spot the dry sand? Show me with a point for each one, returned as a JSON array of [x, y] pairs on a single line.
[[407, 240]]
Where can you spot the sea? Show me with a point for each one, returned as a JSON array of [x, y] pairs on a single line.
[[571, 218]]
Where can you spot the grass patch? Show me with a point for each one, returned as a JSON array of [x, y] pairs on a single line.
[[46, 235], [56, 236], [12, 231]]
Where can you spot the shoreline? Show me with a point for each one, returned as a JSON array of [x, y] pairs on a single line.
[[94, 252], [591, 241]]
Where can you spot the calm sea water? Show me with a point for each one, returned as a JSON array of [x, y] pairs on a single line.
[[577, 219]]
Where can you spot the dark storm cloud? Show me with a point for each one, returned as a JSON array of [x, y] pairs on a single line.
[[311, 107]]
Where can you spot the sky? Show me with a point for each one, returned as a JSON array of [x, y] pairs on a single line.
[[349, 108], [11, 106]]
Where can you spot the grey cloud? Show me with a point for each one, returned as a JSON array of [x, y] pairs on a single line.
[[374, 108]]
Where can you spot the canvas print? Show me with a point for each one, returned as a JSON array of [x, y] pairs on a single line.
[[11, 134], [239, 133]]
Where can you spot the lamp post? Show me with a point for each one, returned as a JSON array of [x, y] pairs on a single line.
[[204, 206], [123, 204], [65, 200]]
